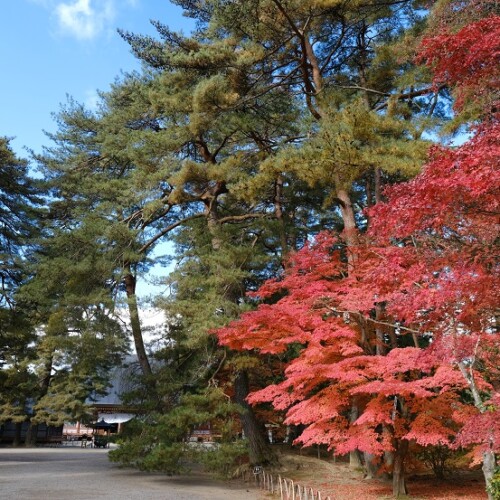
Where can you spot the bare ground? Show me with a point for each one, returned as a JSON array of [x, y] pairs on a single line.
[[340, 482], [87, 474]]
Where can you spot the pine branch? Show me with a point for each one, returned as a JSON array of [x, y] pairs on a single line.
[[166, 230]]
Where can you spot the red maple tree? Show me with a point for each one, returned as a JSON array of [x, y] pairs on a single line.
[[445, 271], [407, 395]]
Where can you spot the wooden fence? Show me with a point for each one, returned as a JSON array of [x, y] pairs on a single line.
[[286, 488]]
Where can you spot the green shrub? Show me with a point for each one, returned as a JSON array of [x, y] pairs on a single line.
[[224, 459]]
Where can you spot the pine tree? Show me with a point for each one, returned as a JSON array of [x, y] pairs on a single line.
[[19, 224]]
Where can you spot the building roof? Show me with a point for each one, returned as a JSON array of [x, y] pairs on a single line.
[[122, 380]]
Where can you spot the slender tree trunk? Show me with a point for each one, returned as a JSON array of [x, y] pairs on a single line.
[[135, 324], [371, 465], [278, 211], [32, 431], [350, 232], [350, 235], [381, 348], [489, 460], [378, 185], [354, 456], [398, 471], [388, 458], [259, 451], [17, 434], [31, 434], [489, 466]]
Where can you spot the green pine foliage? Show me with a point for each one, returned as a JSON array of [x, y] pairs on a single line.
[[159, 441]]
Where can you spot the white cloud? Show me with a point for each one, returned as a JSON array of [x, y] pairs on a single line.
[[84, 19], [92, 100]]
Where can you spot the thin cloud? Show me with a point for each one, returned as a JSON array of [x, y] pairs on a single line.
[[92, 100], [84, 19]]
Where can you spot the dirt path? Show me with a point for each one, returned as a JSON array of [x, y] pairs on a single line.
[[86, 474]]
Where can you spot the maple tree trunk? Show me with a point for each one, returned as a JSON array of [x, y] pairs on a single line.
[[133, 308], [489, 461], [381, 348], [371, 465], [259, 451], [354, 456], [398, 474], [489, 466], [388, 457]]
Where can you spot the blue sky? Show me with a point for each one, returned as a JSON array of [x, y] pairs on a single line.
[[53, 48]]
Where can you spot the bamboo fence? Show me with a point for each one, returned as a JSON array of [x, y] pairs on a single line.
[[287, 489]]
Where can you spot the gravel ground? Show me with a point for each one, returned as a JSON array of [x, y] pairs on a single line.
[[87, 474]]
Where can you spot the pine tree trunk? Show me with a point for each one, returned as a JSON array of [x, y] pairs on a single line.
[[378, 185], [133, 308], [17, 434], [259, 450], [278, 211], [398, 474], [31, 434], [350, 232]]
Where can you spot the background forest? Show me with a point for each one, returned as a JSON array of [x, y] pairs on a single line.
[[335, 259]]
